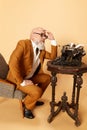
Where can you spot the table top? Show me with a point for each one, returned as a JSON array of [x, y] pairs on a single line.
[[67, 69]]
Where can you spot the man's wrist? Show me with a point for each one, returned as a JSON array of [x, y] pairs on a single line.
[[23, 83], [53, 42]]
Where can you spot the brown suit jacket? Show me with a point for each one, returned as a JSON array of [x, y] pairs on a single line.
[[21, 60]]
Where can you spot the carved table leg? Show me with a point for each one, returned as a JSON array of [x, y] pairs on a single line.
[[52, 103], [79, 82], [73, 92], [75, 103]]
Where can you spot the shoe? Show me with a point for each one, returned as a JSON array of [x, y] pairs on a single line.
[[28, 114], [39, 103]]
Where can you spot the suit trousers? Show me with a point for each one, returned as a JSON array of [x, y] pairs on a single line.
[[34, 92]]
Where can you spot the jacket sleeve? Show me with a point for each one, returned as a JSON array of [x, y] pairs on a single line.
[[53, 53]]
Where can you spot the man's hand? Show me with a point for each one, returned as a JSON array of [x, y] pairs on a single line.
[[26, 82], [50, 35]]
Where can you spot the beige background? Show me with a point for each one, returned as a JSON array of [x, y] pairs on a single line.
[[67, 19]]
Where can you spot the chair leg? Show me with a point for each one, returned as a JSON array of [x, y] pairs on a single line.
[[21, 107]]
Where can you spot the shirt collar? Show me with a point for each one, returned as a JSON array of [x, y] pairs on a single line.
[[33, 44]]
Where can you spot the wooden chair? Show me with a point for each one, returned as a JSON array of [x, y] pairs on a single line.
[[7, 89]]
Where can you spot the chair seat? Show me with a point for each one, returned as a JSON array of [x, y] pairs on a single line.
[[9, 90], [18, 94]]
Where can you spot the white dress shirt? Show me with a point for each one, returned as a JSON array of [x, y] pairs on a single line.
[[36, 61]]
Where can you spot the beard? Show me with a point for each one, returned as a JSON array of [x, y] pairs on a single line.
[[41, 46]]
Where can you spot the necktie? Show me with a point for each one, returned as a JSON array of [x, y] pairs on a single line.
[[37, 50]]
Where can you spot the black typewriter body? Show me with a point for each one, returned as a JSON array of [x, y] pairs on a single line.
[[71, 55]]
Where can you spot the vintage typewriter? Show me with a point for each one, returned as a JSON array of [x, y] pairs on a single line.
[[71, 55]]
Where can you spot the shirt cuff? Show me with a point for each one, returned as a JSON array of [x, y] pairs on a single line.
[[23, 83], [53, 42]]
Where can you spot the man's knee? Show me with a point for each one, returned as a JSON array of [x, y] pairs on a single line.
[[47, 78]]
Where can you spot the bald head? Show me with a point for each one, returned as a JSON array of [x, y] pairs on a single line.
[[38, 30]]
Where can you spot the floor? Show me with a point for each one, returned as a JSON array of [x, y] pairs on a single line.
[[11, 115]]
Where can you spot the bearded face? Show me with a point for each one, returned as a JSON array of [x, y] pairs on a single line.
[[40, 46], [39, 36]]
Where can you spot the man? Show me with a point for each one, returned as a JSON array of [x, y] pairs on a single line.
[[25, 67]]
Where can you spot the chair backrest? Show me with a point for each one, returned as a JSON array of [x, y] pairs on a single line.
[[3, 67]]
